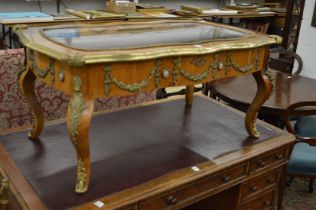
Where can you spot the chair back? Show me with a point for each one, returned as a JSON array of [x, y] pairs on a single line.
[[260, 27], [283, 60], [1, 43], [305, 108]]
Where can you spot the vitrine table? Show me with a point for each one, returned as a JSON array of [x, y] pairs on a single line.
[[104, 60]]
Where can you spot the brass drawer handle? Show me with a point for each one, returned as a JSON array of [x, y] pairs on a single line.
[[225, 179], [172, 200], [279, 156], [271, 180], [254, 188], [267, 204], [4, 194], [262, 163]]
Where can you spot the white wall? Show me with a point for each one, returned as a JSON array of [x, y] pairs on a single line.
[[306, 47]]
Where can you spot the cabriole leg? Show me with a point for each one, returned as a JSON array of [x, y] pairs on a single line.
[[264, 88], [79, 114], [27, 85]]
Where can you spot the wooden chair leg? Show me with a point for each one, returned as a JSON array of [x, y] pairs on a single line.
[[289, 181], [311, 185], [161, 93], [205, 88], [281, 187], [2, 45], [211, 89]]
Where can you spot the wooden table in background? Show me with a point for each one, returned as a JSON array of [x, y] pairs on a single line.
[[288, 89]]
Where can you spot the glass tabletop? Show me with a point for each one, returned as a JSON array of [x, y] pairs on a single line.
[[129, 36]]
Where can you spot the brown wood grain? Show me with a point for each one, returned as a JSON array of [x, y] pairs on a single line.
[[27, 82], [20, 188], [134, 72]]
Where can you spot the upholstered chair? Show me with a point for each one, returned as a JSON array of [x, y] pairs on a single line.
[[14, 110], [302, 162]]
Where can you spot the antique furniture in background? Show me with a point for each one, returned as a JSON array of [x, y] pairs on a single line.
[[14, 110], [103, 60], [294, 14], [10, 41], [180, 158], [288, 89], [261, 27], [290, 25], [302, 162], [1, 43], [314, 17], [283, 60]]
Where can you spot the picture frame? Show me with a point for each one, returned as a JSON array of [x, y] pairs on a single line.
[[314, 16]]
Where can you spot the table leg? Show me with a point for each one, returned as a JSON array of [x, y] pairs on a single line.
[[79, 114], [189, 95], [3, 37], [264, 88], [27, 83], [281, 188], [10, 37]]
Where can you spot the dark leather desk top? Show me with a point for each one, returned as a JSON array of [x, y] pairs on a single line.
[[129, 147]]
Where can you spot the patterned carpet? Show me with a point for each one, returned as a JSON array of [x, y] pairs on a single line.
[[297, 197]]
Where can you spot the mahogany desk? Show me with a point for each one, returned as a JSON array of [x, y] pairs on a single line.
[[147, 166], [115, 59], [288, 89]]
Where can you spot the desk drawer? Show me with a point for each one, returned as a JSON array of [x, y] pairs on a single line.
[[129, 208], [224, 177], [268, 160], [192, 191], [171, 199], [259, 184], [265, 202], [7, 199], [4, 192]]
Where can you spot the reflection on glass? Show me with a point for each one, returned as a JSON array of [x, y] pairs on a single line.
[[125, 36]]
